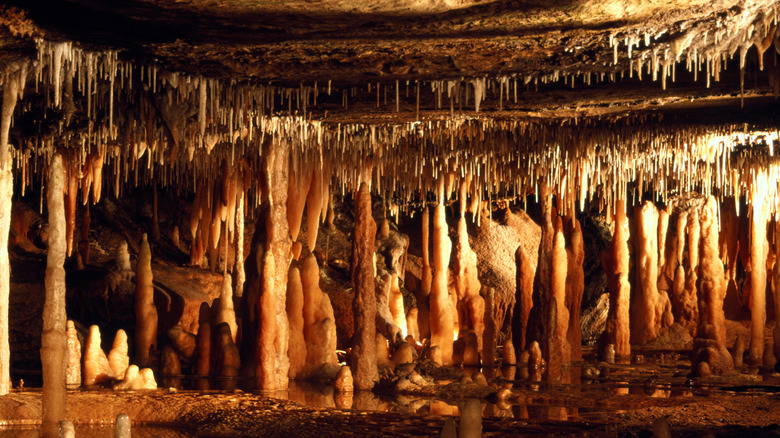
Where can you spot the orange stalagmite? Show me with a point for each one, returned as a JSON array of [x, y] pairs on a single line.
[[776, 275], [295, 304], [272, 362], [710, 343], [650, 310], [615, 263], [758, 254], [442, 321], [575, 286], [523, 299], [145, 311], [559, 351], [54, 341], [364, 360]]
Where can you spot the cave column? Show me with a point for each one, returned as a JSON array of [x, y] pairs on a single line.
[[758, 254], [616, 264], [273, 328], [364, 304], [13, 85], [442, 318], [54, 337]]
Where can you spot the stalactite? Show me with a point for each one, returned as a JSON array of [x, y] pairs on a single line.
[[298, 188], [710, 342], [54, 339], [364, 304], [616, 266], [145, 311], [314, 202], [71, 198]]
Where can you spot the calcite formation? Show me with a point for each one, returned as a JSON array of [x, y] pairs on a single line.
[[118, 359], [364, 305], [73, 370], [145, 311], [616, 266], [96, 367], [441, 318]]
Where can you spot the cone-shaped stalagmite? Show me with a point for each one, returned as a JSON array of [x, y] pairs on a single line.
[[73, 372], [96, 368], [145, 312], [364, 304], [710, 343], [225, 311], [776, 275], [650, 310], [615, 262], [466, 282], [758, 254], [297, 343], [54, 339], [575, 286], [523, 297], [117, 357], [423, 298], [558, 347], [319, 326], [441, 313], [272, 336]]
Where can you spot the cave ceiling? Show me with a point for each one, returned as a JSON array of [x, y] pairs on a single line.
[[549, 59]]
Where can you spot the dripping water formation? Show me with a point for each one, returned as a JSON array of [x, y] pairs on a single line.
[[345, 218]]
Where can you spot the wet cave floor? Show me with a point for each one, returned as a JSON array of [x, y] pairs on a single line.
[[631, 399]]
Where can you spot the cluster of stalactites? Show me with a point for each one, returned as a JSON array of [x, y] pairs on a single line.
[[146, 124]]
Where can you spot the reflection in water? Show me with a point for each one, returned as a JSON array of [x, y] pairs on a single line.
[[91, 431]]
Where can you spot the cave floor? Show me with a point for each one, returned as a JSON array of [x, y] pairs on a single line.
[[605, 400]]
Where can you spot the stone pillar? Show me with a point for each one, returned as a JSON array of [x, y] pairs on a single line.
[[615, 263], [710, 344], [145, 311], [54, 339], [272, 340], [758, 254], [441, 312], [364, 304]]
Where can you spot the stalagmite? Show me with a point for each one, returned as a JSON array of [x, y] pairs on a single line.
[[73, 372], [228, 360], [523, 299], [297, 343], [13, 86], [54, 341], [137, 379], [145, 311], [364, 304], [758, 255], [170, 367], [239, 277], [225, 310], [615, 262], [710, 342], [688, 298], [118, 359], [96, 368], [423, 298], [319, 326], [344, 381], [441, 313], [466, 282], [575, 286], [203, 364], [273, 332], [542, 319], [776, 275], [558, 349], [490, 333], [650, 311]]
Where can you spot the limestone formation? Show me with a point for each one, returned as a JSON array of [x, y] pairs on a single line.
[[343, 382], [224, 306], [136, 379], [319, 326], [54, 340], [145, 311], [295, 304], [776, 281], [523, 299], [170, 367], [758, 255], [615, 262], [364, 304], [575, 286], [441, 320], [710, 343], [650, 310], [73, 372], [226, 353], [118, 359], [96, 368]]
